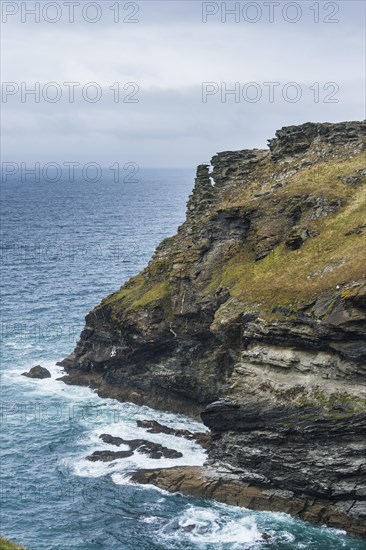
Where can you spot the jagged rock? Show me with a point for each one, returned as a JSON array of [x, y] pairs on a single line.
[[37, 372], [296, 140], [153, 450], [203, 192], [154, 427], [233, 166]]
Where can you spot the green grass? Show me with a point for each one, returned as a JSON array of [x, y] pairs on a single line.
[[7, 545], [322, 179], [157, 293], [332, 258], [138, 293]]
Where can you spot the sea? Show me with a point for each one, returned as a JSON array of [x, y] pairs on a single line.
[[66, 245]]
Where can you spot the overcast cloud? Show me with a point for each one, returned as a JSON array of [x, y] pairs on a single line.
[[168, 54]]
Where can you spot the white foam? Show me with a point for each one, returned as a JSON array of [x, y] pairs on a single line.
[[200, 526], [50, 387], [122, 469]]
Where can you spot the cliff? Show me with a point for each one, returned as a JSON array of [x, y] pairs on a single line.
[[256, 312]]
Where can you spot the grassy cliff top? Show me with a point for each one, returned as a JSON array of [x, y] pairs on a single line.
[[335, 255], [276, 228]]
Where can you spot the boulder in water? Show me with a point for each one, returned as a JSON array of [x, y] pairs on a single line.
[[37, 372]]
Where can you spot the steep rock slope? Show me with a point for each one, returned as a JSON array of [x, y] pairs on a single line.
[[260, 300]]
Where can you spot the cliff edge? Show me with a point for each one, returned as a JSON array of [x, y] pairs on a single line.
[[255, 311]]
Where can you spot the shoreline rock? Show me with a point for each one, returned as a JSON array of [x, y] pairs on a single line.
[[223, 486], [125, 394]]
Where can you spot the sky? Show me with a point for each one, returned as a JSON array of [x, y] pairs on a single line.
[[152, 79]]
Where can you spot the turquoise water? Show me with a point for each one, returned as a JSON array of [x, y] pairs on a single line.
[[64, 247]]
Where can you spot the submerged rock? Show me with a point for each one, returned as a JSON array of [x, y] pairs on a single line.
[[37, 372]]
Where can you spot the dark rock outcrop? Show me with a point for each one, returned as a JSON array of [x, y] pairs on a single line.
[[108, 456], [37, 372], [296, 140], [112, 440], [329, 448], [257, 303], [203, 192], [154, 427], [153, 450]]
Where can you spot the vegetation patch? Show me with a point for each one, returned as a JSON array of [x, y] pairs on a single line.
[[138, 293], [157, 293], [337, 405], [288, 278], [7, 545]]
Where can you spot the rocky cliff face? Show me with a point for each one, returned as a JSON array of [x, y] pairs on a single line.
[[259, 303]]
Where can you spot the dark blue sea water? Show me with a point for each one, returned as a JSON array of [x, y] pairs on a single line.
[[64, 247]]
